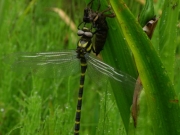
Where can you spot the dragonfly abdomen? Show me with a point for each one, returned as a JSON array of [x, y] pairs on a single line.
[[79, 103]]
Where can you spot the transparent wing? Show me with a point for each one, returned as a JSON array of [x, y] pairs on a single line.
[[102, 71], [45, 64]]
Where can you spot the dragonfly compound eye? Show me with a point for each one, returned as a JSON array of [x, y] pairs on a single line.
[[88, 34], [80, 32]]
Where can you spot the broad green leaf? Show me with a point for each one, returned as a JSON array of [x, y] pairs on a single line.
[[161, 97]]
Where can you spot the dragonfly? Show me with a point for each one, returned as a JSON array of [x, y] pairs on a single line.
[[69, 62]]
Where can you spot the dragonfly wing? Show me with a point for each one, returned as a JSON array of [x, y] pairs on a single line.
[[103, 71], [45, 64]]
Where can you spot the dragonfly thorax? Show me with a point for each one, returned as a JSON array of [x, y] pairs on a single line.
[[83, 50]]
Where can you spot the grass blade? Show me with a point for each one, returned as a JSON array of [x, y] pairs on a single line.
[[161, 97]]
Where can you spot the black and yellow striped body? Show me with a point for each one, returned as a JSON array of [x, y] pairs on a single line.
[[84, 46], [79, 103]]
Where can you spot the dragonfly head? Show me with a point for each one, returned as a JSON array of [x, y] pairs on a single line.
[[85, 32], [84, 44]]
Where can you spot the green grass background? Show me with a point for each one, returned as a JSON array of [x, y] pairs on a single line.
[[30, 105]]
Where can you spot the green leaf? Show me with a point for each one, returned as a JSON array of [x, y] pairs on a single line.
[[147, 13], [161, 98], [168, 35]]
